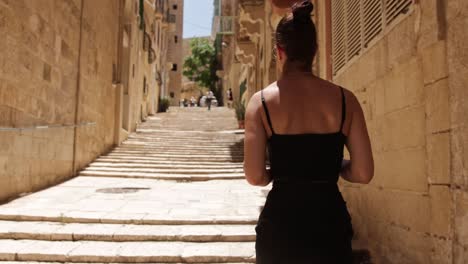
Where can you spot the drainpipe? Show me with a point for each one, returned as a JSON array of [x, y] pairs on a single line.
[[78, 89]]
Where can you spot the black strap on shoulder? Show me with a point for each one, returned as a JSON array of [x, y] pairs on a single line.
[[267, 113], [343, 109]]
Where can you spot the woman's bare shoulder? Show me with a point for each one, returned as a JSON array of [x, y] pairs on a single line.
[[351, 99], [271, 88]]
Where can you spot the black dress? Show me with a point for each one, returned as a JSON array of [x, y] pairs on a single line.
[[305, 219]]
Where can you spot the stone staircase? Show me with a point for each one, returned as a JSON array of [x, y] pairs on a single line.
[[174, 192]]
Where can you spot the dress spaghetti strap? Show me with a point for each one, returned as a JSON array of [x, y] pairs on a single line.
[[343, 109], [267, 113]]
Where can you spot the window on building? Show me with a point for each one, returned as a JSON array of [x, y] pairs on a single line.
[[174, 67], [174, 7], [176, 39], [145, 86], [355, 23]]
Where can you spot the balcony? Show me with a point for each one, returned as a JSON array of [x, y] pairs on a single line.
[[161, 8], [172, 19], [224, 25]]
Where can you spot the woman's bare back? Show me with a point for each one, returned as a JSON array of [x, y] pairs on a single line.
[[304, 104]]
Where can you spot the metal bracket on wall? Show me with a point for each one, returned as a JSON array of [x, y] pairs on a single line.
[[45, 127]]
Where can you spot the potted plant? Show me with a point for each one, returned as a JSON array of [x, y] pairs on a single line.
[[164, 104], [239, 107]]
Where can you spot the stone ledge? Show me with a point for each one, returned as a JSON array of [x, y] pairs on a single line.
[[141, 252]]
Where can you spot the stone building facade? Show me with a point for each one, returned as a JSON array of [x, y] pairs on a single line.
[[245, 31], [411, 81], [406, 61], [175, 50], [76, 76]]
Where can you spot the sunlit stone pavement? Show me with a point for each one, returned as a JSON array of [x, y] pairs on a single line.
[[173, 192]]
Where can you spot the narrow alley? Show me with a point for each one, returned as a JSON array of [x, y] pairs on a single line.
[[109, 154], [173, 192]]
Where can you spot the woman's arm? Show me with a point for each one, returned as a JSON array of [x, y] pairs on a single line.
[[255, 144], [360, 169]]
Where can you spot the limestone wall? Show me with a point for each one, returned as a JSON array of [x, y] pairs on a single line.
[[38, 78], [59, 65], [457, 59], [411, 84], [175, 50]]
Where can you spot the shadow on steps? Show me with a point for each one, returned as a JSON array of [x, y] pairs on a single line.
[[234, 148], [361, 256]]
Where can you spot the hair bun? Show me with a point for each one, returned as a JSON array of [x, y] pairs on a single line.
[[302, 10]]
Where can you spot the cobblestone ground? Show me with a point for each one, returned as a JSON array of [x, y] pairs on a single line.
[[173, 192]]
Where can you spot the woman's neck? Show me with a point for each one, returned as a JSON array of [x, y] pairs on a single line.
[[295, 73]]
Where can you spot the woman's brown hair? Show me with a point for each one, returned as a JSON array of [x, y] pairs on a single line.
[[297, 36]]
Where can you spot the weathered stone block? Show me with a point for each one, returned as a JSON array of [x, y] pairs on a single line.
[[404, 86], [461, 227], [6, 116], [438, 106], [410, 210], [441, 250], [456, 9], [404, 129], [402, 245], [401, 41], [438, 158], [441, 206], [7, 142], [405, 169], [379, 91], [434, 62]]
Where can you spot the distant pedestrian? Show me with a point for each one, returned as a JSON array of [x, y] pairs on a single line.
[[230, 97], [193, 101], [209, 99]]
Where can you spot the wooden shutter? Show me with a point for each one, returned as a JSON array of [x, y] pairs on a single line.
[[353, 28], [355, 23], [394, 8], [338, 35], [372, 19]]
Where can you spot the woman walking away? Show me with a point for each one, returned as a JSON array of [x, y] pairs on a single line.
[[305, 122]]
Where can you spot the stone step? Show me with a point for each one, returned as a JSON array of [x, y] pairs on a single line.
[[228, 132], [126, 252], [53, 231], [144, 151], [152, 165], [189, 127], [140, 201], [237, 150], [185, 142], [177, 156], [182, 154], [197, 171], [169, 146], [174, 163], [189, 136], [136, 219], [45, 262], [164, 158], [162, 176]]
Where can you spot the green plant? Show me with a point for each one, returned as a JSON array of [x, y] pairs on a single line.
[[164, 103], [200, 66], [239, 107]]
